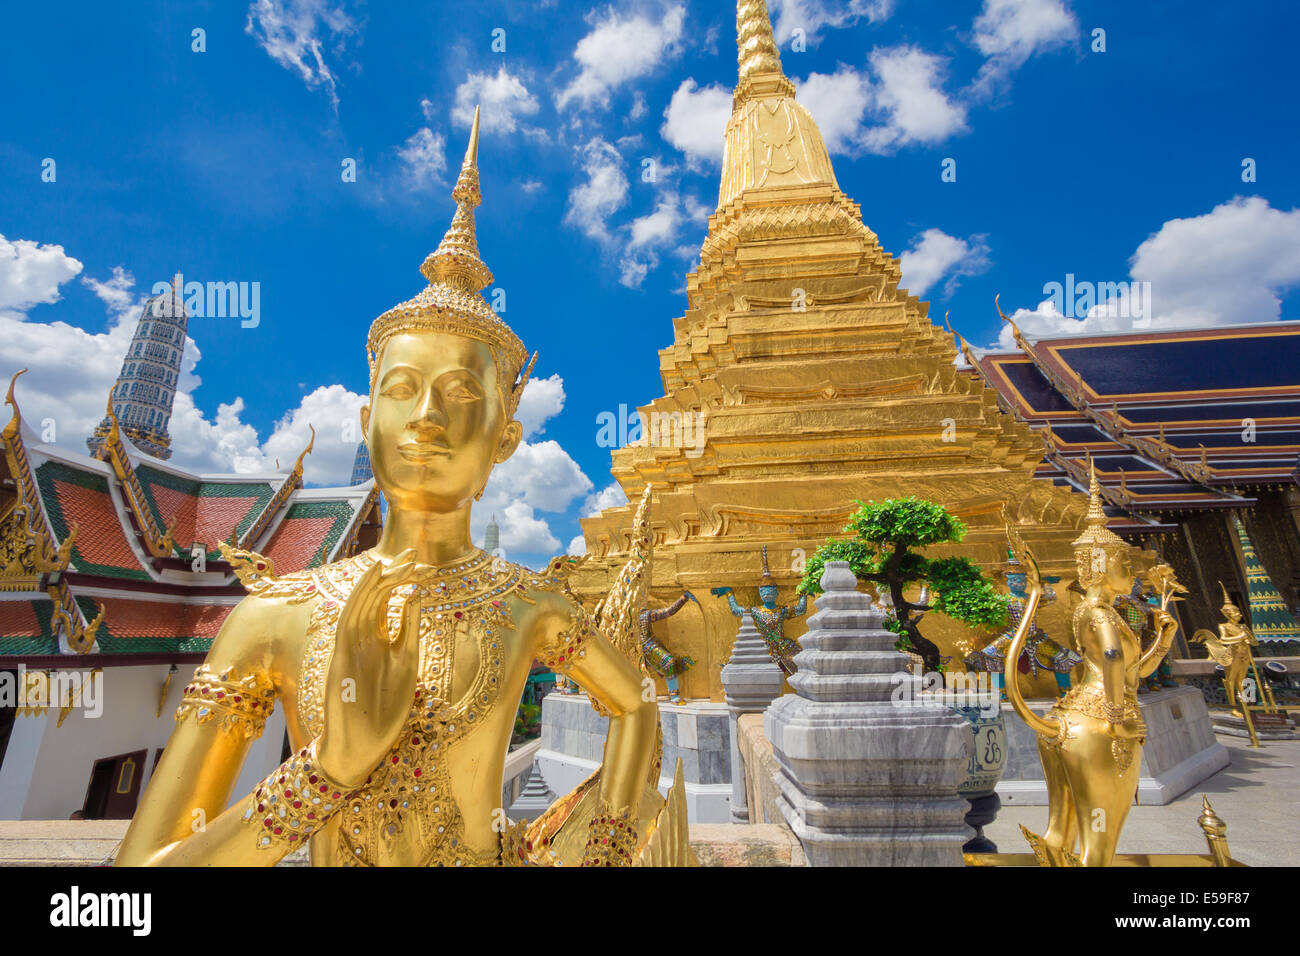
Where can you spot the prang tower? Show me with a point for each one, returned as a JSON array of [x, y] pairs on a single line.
[[146, 386], [819, 380]]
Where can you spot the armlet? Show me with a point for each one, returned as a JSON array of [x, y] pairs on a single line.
[[611, 837], [562, 651], [239, 704]]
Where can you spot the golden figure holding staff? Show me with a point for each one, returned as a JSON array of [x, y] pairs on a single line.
[[400, 669], [1230, 649], [1090, 742]]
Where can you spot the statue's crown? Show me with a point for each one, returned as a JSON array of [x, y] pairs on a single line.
[[1096, 534], [453, 300]]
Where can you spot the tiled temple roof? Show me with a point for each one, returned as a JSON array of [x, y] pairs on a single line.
[[1218, 414], [309, 531], [80, 496], [202, 510]]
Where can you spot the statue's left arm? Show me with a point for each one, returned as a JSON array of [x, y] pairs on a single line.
[[669, 611], [570, 643], [800, 608]]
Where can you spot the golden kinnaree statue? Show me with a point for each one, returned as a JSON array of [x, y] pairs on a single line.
[[400, 669], [1090, 742], [1230, 649]]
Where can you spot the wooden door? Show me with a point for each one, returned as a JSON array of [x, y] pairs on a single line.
[[115, 787]]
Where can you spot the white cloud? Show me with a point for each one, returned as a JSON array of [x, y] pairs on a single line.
[[910, 97], [542, 400], [619, 48], [30, 274], [696, 120], [604, 193], [577, 547], [611, 496], [294, 33], [1009, 32], [811, 15], [838, 103], [424, 158], [504, 100], [1229, 266], [935, 254]]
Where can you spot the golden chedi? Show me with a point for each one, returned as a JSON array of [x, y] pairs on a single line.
[[803, 376], [400, 669], [1090, 742]]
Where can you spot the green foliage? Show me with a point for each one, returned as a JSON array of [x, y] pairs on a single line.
[[905, 522], [962, 591], [885, 532]]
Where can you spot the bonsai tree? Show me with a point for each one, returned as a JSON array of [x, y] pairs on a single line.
[[881, 550]]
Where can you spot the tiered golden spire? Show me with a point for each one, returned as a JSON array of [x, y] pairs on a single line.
[[757, 46], [1096, 534], [453, 300]]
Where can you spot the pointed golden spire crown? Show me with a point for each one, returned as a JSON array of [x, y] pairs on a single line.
[[1096, 536], [757, 48], [453, 300]]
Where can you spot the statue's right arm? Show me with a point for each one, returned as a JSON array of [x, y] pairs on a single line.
[[736, 609], [183, 818]]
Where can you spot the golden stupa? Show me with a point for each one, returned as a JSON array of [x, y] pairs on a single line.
[[818, 380]]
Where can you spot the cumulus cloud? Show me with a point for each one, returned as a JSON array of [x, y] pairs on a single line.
[[31, 273], [542, 400], [423, 159], [503, 98], [811, 16], [1009, 32], [910, 99], [838, 103], [295, 33], [593, 202], [577, 547], [696, 120], [935, 254], [611, 496], [1229, 266], [620, 47]]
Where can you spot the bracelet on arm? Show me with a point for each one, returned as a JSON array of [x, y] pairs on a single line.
[[295, 801], [240, 704]]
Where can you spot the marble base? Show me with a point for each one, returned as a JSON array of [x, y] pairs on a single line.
[[573, 744], [1179, 753], [1265, 729]]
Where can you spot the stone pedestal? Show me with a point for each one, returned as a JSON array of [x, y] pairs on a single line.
[[1180, 750], [573, 745], [750, 681], [869, 770]]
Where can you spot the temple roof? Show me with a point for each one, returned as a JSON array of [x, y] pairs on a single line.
[[1176, 421], [101, 577]]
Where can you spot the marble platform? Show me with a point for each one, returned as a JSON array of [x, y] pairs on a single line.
[[573, 741], [1180, 750]]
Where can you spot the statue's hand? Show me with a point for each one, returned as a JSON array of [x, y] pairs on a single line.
[[691, 596], [720, 592], [1164, 621], [1129, 728], [372, 678]]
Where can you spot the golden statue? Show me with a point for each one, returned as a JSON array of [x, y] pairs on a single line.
[[1090, 742], [1231, 649], [400, 668]]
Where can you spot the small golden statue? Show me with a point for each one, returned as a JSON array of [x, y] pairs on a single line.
[[1090, 742], [400, 668], [1231, 650]]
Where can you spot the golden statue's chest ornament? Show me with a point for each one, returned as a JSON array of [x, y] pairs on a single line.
[[463, 609]]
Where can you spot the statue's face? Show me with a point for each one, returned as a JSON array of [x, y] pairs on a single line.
[[1017, 582], [1231, 612], [436, 423], [767, 594], [1119, 571]]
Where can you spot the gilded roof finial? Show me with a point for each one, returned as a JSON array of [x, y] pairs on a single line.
[[756, 45], [1096, 534], [12, 429]]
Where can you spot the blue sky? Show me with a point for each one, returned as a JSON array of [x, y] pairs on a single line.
[[226, 164]]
